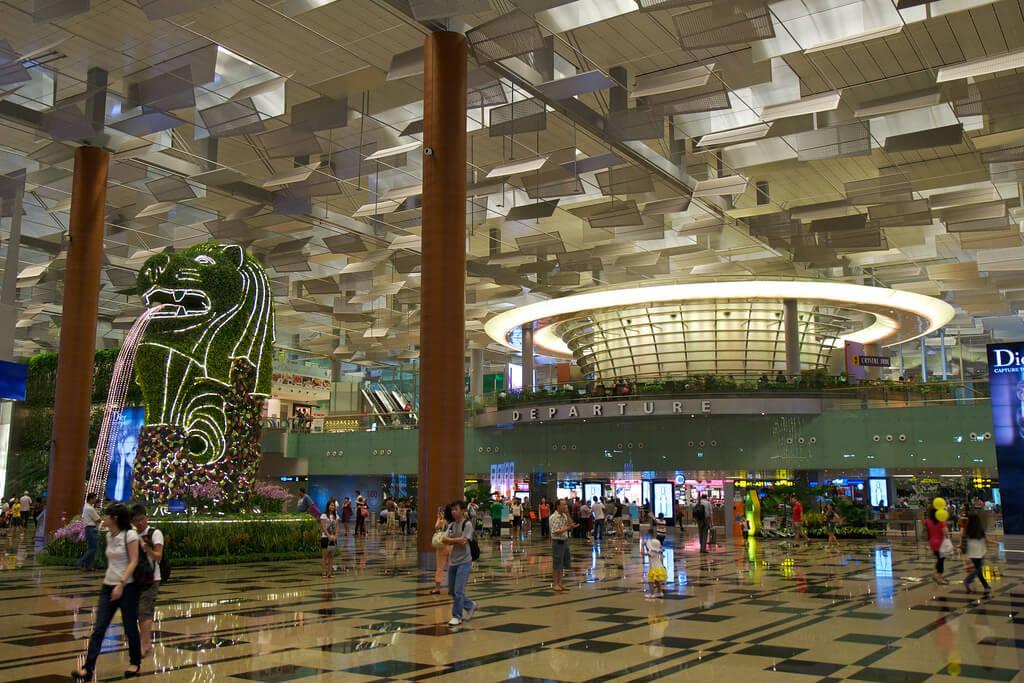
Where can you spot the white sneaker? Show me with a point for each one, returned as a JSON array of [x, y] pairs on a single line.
[[454, 622], [469, 613]]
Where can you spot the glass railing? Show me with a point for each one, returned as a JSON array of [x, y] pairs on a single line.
[[834, 390]]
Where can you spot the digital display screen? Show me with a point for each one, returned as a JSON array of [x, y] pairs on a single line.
[[645, 490], [663, 499], [1006, 380], [122, 453], [879, 493], [592, 490], [515, 376], [13, 377]]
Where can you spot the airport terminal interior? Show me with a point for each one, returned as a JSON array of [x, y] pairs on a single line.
[[512, 340]]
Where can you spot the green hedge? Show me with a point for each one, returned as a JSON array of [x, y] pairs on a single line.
[[841, 532], [203, 542]]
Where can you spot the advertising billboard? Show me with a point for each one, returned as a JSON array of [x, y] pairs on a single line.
[[663, 499], [122, 453], [1006, 378]]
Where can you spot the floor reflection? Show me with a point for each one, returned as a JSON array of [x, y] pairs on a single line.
[[759, 610]]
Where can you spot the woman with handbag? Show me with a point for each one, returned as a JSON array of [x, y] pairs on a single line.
[[938, 539], [975, 543], [441, 551], [119, 592]]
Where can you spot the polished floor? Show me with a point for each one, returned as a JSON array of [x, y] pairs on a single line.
[[765, 612]]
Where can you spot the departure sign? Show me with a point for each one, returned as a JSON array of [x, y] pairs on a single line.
[[1006, 378]]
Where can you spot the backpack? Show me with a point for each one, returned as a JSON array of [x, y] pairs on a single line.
[[165, 563], [474, 547], [699, 514], [143, 573]]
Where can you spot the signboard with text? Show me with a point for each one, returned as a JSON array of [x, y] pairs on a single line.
[[872, 361], [638, 407], [854, 371], [1006, 379]]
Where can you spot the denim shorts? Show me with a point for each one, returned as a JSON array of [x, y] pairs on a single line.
[[560, 555]]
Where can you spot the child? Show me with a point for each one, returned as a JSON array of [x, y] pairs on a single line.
[[745, 527], [659, 528], [656, 575]]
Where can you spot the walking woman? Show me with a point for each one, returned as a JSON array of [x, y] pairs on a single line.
[[441, 553], [974, 546], [328, 538], [119, 592], [346, 514], [937, 533], [831, 519]]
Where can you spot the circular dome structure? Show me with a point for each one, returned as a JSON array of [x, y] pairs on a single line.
[[734, 327]]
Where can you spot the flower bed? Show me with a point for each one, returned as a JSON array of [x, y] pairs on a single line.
[[207, 540]]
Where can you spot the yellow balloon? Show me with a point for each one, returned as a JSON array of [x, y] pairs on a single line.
[[941, 515], [939, 503]]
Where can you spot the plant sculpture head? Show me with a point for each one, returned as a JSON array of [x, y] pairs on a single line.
[[219, 309]]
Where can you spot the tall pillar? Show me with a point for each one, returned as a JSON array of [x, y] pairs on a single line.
[[476, 373], [443, 281], [791, 325], [9, 295], [872, 371], [942, 354], [924, 363], [70, 442], [527, 351]]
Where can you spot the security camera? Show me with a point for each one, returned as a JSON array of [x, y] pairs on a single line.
[[428, 151]]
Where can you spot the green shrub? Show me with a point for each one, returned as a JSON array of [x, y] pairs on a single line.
[[212, 540], [841, 532]]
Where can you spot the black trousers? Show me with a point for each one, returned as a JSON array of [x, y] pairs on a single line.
[[128, 603]]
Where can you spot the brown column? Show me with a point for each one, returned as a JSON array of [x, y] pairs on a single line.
[[70, 443], [443, 282]]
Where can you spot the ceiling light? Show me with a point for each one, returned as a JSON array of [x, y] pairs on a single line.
[[856, 38], [728, 137], [394, 151], [729, 185], [934, 311], [514, 167], [805, 105], [981, 67], [670, 81]]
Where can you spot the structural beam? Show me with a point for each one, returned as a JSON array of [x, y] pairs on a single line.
[[70, 442], [791, 325], [442, 313]]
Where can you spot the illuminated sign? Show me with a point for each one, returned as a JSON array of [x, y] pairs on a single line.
[[872, 361], [337, 425], [879, 493], [1006, 382], [502, 478], [663, 499]]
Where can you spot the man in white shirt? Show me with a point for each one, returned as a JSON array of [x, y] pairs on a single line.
[[560, 524], [598, 509], [26, 508], [91, 519], [151, 542]]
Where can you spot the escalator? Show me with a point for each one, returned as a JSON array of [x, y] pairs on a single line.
[[409, 416], [374, 407]]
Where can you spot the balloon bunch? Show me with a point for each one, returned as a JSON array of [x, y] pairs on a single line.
[[941, 513]]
